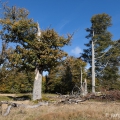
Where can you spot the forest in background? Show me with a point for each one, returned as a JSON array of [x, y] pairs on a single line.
[[17, 64]]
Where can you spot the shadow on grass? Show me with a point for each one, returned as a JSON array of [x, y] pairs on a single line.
[[20, 98]]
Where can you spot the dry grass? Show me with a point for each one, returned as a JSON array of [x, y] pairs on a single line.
[[84, 111]]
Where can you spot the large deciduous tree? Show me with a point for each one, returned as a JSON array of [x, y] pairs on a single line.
[[32, 51], [98, 54]]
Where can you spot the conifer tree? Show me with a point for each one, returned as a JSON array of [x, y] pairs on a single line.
[[102, 46], [66, 75], [32, 52]]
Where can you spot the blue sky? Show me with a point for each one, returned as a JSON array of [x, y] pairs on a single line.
[[68, 16]]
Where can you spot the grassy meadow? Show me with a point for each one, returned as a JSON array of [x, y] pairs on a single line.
[[88, 110]]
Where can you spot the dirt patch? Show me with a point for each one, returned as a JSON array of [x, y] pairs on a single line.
[[12, 95], [21, 102]]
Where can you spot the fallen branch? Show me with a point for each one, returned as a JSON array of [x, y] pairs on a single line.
[[10, 105], [33, 106], [8, 110]]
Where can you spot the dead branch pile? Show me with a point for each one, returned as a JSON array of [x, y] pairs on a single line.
[[115, 94], [108, 96], [69, 99]]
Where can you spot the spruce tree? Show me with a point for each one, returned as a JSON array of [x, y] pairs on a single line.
[[66, 75], [103, 45]]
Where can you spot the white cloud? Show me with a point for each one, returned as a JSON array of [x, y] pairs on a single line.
[[76, 51]]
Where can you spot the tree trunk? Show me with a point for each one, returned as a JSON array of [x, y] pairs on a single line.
[[85, 87], [37, 88], [93, 67]]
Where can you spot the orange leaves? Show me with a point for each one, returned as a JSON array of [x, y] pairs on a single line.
[[23, 31]]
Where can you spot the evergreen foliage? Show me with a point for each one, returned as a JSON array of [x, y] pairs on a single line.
[[106, 54], [31, 51], [66, 75], [44, 53]]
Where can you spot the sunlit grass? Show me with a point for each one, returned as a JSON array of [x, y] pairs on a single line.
[[5, 98], [88, 110], [83, 111]]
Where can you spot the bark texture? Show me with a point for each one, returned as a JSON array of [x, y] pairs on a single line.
[[37, 88]]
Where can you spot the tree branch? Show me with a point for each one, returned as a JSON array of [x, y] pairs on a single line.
[[10, 105]]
